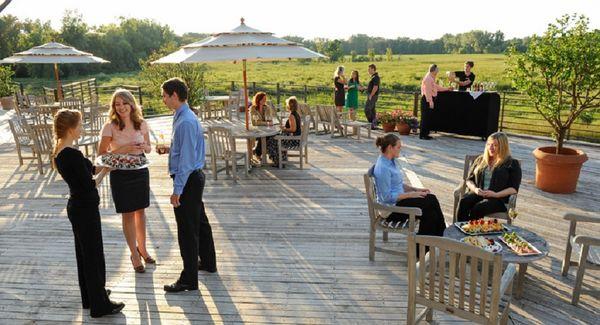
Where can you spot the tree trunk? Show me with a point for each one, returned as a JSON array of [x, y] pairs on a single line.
[[560, 138]]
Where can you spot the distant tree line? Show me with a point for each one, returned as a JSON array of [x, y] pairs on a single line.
[[128, 43], [362, 47]]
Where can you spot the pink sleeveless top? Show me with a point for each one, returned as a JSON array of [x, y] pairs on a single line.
[[124, 137]]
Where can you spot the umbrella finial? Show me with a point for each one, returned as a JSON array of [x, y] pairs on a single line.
[[242, 20]]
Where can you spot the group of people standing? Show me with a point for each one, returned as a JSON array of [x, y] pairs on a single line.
[[346, 93], [430, 89], [126, 132]]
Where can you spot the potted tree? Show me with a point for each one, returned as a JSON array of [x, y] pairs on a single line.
[[6, 89], [560, 72]]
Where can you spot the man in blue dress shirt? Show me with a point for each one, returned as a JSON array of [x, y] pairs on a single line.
[[186, 159]]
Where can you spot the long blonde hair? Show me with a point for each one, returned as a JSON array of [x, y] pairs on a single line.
[[64, 120], [502, 154], [135, 114], [338, 71]]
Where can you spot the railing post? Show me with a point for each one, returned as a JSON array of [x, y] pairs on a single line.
[[139, 90], [502, 111], [305, 94], [416, 104], [277, 94]]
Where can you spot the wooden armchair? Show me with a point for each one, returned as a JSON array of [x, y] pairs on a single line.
[[447, 279], [302, 147], [233, 104], [589, 251], [304, 111], [23, 135], [90, 135], [222, 147], [43, 143], [461, 190], [378, 214]]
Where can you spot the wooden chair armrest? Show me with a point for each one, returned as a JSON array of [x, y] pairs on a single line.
[[507, 278], [587, 240], [460, 189], [581, 218], [411, 212]]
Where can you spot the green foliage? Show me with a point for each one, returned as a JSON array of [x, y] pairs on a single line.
[[6, 86], [153, 75], [371, 54], [389, 56], [560, 72]]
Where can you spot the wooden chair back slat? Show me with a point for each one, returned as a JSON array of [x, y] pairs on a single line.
[[437, 273]]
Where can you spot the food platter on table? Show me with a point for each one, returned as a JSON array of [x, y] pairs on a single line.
[[518, 245], [122, 161], [481, 227], [487, 244]]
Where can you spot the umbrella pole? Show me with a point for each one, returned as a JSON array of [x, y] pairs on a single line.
[[58, 85], [245, 93]]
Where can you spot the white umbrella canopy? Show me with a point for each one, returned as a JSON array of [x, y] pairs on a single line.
[[242, 43], [52, 53]]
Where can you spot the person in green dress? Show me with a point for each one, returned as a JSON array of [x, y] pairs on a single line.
[[352, 94]]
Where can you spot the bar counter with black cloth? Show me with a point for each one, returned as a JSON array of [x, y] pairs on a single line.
[[462, 76], [82, 210], [459, 113]]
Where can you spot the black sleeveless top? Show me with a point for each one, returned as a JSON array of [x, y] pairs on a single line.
[[298, 125], [77, 171]]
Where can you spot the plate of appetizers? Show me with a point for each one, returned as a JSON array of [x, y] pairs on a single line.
[[481, 227], [487, 244], [121, 161], [519, 245]]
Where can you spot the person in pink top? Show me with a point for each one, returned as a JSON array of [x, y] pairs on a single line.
[[429, 90], [126, 132]]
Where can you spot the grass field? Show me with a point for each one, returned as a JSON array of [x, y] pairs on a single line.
[[398, 77]]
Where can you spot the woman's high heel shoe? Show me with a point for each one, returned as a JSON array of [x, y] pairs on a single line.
[[138, 269], [148, 260]]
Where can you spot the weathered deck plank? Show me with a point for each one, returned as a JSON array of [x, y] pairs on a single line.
[[292, 245]]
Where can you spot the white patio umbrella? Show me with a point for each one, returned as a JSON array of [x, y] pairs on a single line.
[[53, 53], [242, 43]]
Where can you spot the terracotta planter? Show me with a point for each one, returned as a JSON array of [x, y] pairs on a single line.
[[403, 128], [388, 127], [558, 173], [7, 102]]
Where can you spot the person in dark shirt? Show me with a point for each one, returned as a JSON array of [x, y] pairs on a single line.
[[493, 177], [466, 78], [372, 96], [82, 210]]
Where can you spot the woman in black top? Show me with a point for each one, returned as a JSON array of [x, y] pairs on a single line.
[[493, 177], [339, 81], [292, 127], [82, 210]]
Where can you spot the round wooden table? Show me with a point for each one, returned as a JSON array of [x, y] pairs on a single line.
[[508, 255]]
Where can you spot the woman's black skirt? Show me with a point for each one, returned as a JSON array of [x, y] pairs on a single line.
[[130, 189]]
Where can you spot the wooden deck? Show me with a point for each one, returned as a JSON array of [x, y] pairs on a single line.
[[292, 245]]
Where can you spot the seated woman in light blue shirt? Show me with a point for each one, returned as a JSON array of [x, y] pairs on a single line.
[[391, 190]]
